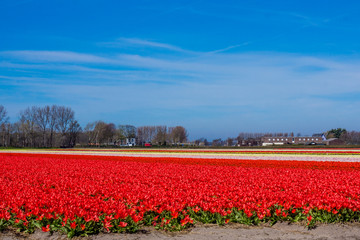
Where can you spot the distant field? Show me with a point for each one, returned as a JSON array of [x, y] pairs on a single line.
[[304, 154]]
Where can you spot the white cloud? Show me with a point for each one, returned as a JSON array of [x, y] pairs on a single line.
[[146, 43], [136, 42], [218, 86], [54, 56], [282, 73]]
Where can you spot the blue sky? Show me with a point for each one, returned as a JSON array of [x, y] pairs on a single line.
[[215, 67]]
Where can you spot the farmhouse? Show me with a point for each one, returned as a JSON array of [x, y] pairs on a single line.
[[127, 142], [267, 141], [249, 142]]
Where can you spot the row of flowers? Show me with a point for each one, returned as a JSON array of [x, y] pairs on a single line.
[[320, 151], [81, 195]]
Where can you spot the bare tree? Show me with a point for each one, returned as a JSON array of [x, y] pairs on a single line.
[[3, 115], [160, 135], [52, 123], [229, 142], [89, 131], [74, 131], [217, 142], [17, 137], [146, 134], [39, 126], [120, 134], [5, 131], [351, 137], [140, 133], [3, 124], [98, 131], [64, 118], [126, 131], [42, 119], [178, 134], [109, 132], [101, 132], [151, 132], [29, 127]]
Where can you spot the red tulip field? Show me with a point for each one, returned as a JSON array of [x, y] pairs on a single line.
[[79, 194]]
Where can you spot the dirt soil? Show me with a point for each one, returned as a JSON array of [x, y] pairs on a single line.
[[232, 231]]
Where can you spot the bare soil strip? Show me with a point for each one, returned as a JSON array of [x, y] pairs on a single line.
[[232, 231]]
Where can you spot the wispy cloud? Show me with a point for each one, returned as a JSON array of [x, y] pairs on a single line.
[[146, 43], [238, 85], [136, 42], [230, 47], [54, 56], [246, 69], [142, 43]]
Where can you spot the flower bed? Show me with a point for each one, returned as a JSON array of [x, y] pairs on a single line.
[[81, 195], [303, 151]]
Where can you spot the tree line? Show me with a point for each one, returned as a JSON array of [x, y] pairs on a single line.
[[101, 133], [56, 126], [349, 137], [46, 126]]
